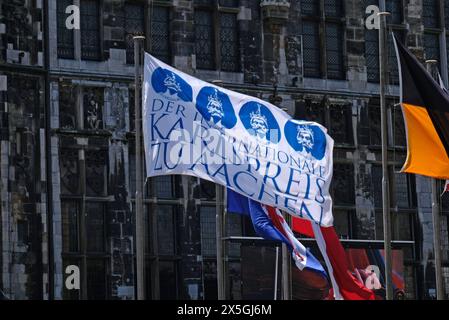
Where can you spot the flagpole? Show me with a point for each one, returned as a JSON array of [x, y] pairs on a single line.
[[385, 173], [220, 228], [276, 274], [140, 224], [286, 268], [436, 219]]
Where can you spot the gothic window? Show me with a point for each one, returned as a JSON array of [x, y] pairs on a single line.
[[208, 235], [134, 25], [323, 39], [369, 126], [66, 47], [394, 23], [342, 222], [392, 59], [430, 13], [68, 162], [93, 99], [217, 44], [229, 42], [90, 30], [432, 29], [341, 123], [376, 183], [394, 7], [93, 248], [97, 288], [399, 127], [160, 33], [96, 172], [343, 184], [204, 40], [95, 225], [334, 51], [166, 222], [67, 106], [162, 187], [312, 49], [432, 46], [311, 111], [372, 55], [70, 226], [403, 186], [446, 14]]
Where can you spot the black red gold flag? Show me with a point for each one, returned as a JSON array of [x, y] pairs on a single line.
[[425, 107]]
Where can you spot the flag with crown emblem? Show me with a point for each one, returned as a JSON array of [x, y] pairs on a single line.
[[248, 145]]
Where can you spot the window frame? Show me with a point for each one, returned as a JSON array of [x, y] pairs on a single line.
[[215, 9], [323, 21]]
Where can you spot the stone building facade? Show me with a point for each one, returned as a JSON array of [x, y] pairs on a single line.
[[67, 159]]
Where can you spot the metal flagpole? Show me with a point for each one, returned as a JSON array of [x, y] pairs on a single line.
[[385, 175], [286, 268], [436, 218], [220, 228], [140, 224], [276, 274], [219, 240]]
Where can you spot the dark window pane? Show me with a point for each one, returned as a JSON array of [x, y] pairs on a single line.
[[160, 33], [334, 51], [376, 183], [311, 111], [432, 46], [399, 127], [333, 8], [341, 223], [90, 30], [343, 184], [96, 280], [392, 60], [96, 172], [162, 187], [341, 123], [204, 40], [134, 25], [66, 48], [402, 190], [229, 42], [67, 106], [372, 55], [395, 9], [69, 213], [166, 230], [310, 7], [446, 13], [229, 3], [207, 190], [168, 280], [402, 226], [95, 227], [369, 125], [70, 174], [208, 235], [430, 13], [447, 47], [311, 46]]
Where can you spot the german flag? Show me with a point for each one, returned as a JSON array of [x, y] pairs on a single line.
[[425, 107]]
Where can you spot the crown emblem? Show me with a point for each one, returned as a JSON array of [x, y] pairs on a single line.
[[305, 137], [171, 84], [259, 122], [214, 105]]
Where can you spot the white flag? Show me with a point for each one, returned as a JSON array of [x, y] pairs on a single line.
[[192, 127]]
